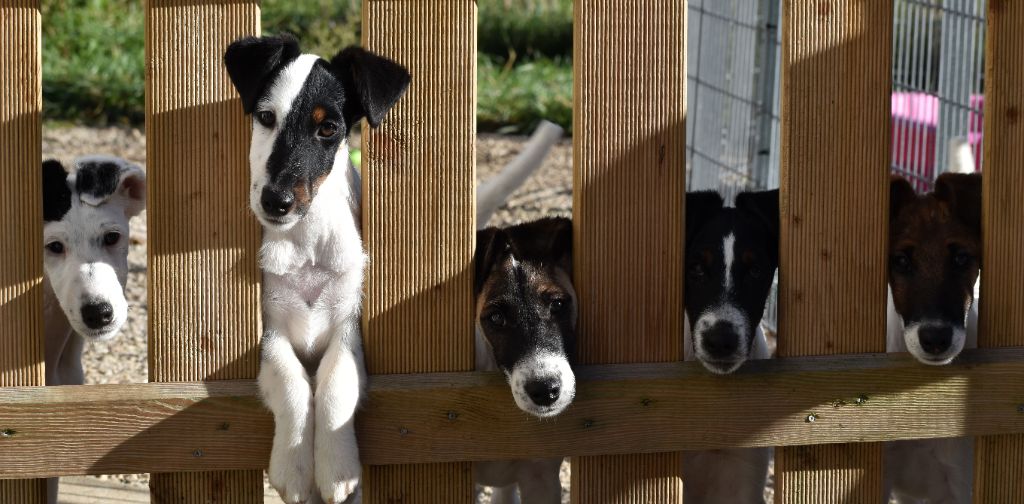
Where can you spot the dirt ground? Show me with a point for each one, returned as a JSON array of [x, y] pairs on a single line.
[[123, 360]]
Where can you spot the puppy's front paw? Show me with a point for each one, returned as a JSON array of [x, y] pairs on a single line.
[[337, 474], [291, 473]]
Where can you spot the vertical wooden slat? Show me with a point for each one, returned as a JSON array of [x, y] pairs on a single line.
[[203, 286], [21, 266], [629, 185], [836, 81], [418, 220], [999, 465]]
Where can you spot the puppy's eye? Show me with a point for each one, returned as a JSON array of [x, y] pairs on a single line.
[[558, 305], [266, 118], [962, 259], [110, 239], [754, 272], [496, 319], [55, 247], [327, 130], [696, 271], [901, 262]]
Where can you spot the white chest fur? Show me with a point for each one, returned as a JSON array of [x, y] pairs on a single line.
[[313, 272]]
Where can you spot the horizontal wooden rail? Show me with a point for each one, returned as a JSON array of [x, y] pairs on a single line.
[[443, 417]]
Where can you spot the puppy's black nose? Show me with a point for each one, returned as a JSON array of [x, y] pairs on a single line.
[[97, 315], [721, 340], [543, 392], [277, 203], [935, 339]]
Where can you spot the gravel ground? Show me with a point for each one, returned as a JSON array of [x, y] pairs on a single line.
[[123, 360]]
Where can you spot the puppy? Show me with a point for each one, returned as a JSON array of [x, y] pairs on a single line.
[[526, 327], [305, 193], [934, 264], [85, 259], [731, 258]]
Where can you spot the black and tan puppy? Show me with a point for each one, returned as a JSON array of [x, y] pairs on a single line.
[[526, 328]]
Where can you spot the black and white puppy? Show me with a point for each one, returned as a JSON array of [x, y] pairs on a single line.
[[305, 192], [526, 327], [731, 258], [86, 217]]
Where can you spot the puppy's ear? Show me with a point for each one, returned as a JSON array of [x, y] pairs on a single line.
[[561, 245], [132, 189], [490, 246], [962, 192], [373, 84], [101, 178], [56, 193], [900, 194], [253, 61], [700, 206], [764, 205]]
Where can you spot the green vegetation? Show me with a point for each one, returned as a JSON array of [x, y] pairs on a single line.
[[93, 56], [514, 99], [93, 60], [525, 29]]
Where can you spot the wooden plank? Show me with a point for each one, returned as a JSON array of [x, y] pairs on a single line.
[[836, 81], [632, 408], [629, 185], [203, 285], [999, 460], [21, 264], [418, 219]]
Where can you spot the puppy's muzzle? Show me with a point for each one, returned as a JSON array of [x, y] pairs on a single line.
[[721, 341], [544, 392], [277, 203], [935, 340], [543, 385], [97, 316]]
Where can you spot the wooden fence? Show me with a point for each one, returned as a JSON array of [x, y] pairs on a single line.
[[199, 427]]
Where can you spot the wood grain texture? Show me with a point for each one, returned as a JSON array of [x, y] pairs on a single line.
[[21, 266], [629, 93], [445, 417], [203, 284], [21, 195], [999, 467], [649, 478], [830, 473], [836, 81], [418, 218]]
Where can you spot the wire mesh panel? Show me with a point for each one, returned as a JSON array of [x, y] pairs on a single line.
[[937, 83], [731, 78]]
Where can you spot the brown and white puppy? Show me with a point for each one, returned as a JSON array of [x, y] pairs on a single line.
[[934, 263], [526, 327], [935, 260]]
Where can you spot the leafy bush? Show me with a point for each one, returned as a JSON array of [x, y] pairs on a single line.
[[93, 60], [93, 56], [514, 99], [525, 29], [322, 26]]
